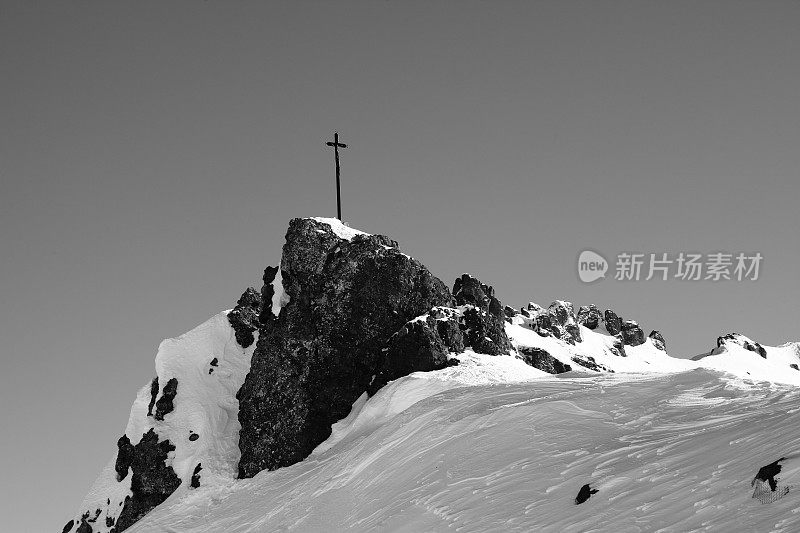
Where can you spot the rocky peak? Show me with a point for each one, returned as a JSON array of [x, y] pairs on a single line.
[[613, 323], [739, 340], [563, 322], [589, 316], [470, 291], [632, 334], [348, 294], [658, 340]]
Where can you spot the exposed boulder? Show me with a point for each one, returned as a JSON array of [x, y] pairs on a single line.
[[244, 318], [348, 294], [152, 480], [541, 359], [658, 340], [612, 322], [584, 494], [589, 316], [68, 526], [165, 405], [632, 334], [419, 346], [195, 482]]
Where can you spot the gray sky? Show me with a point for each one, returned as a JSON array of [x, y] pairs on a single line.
[[152, 154]]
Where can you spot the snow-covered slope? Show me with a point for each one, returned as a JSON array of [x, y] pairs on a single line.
[[487, 439], [209, 367], [441, 448], [671, 452]]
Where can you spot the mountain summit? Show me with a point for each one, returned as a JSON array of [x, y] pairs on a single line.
[[332, 346]]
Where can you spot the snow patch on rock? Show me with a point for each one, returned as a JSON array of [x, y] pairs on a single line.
[[279, 296], [339, 228]]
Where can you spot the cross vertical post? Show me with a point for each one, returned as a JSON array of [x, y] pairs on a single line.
[[336, 145]]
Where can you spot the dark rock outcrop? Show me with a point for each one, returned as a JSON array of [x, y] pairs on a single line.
[[584, 494], [84, 527], [534, 308], [153, 394], [544, 326], [612, 322], [768, 474], [562, 322], [541, 359], [658, 340], [125, 454], [632, 334], [244, 318], [589, 316], [484, 319], [195, 482], [590, 363], [165, 405], [68, 527], [347, 298], [468, 290], [618, 347], [767, 486], [422, 344], [152, 480]]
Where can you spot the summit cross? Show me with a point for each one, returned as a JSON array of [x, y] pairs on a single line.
[[336, 145]]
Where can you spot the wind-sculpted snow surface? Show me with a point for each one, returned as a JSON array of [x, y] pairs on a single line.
[[676, 451]]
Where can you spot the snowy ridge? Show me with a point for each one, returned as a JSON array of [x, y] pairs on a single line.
[[779, 366], [492, 443], [205, 405], [730, 357], [425, 454]]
